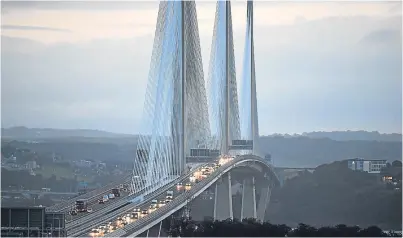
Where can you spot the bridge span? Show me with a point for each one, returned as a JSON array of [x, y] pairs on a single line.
[[221, 211]]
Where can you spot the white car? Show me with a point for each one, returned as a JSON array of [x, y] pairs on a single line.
[[89, 209], [111, 196]]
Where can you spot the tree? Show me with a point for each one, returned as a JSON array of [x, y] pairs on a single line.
[[251, 228]]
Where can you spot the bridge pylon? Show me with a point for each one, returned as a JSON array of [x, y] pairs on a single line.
[[175, 116]]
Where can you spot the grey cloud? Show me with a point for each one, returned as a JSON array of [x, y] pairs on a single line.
[[307, 83], [32, 28], [81, 5], [97, 84], [384, 36], [299, 19], [396, 8], [22, 45]]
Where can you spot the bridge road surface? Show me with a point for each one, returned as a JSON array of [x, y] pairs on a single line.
[[81, 231], [92, 195]]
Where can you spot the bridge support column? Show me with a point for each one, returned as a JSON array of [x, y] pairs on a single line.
[[263, 202], [223, 198], [248, 207]]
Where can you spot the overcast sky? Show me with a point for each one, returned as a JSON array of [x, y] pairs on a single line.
[[319, 65]]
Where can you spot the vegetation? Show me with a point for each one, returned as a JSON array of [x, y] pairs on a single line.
[[334, 194], [251, 228], [23, 180]]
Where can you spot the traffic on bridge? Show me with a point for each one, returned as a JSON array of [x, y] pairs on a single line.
[[158, 202]]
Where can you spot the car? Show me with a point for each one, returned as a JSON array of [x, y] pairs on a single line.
[[134, 216], [120, 222], [154, 203], [179, 186], [162, 203], [136, 210], [89, 209], [94, 233], [188, 186], [111, 228], [73, 212], [102, 227], [144, 213], [101, 201]]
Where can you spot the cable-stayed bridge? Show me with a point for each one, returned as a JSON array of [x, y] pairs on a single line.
[[189, 119]]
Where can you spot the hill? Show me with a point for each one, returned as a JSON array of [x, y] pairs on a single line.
[[286, 151], [355, 135], [346, 135], [334, 194], [41, 133]]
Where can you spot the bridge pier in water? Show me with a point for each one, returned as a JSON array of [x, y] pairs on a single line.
[[223, 198]]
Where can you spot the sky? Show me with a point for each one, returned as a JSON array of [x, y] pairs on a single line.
[[320, 66]]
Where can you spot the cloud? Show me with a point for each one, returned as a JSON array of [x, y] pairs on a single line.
[[300, 19], [32, 28], [396, 8], [310, 76], [384, 36], [80, 5]]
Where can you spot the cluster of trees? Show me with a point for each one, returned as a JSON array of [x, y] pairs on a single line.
[[251, 228], [22, 179], [393, 170], [334, 194]]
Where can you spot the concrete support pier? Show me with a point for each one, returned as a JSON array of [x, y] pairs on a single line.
[[223, 198], [248, 209], [263, 202]]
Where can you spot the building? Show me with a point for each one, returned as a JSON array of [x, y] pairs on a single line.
[[268, 158], [84, 163], [31, 222], [370, 166], [31, 165]]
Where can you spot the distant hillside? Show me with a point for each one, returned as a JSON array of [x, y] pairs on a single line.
[[307, 152], [334, 194], [42, 133], [348, 135], [298, 151]]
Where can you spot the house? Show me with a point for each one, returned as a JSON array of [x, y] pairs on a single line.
[[370, 166]]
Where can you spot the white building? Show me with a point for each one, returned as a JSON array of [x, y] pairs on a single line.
[[370, 166]]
